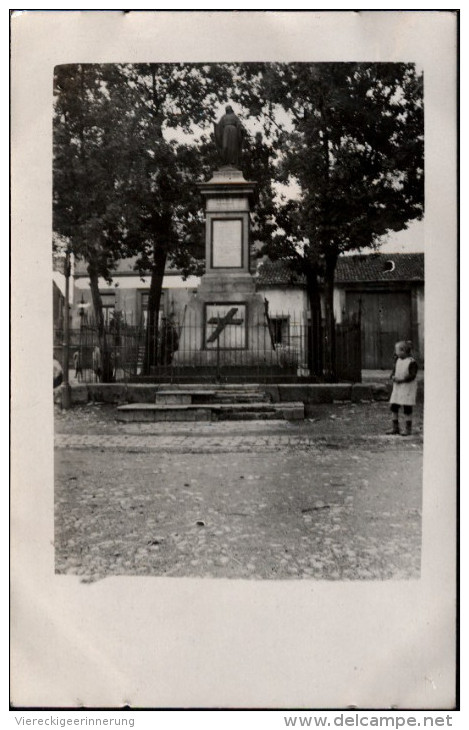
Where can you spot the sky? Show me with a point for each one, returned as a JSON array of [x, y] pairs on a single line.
[[408, 241]]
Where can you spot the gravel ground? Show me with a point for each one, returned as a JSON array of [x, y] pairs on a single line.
[[330, 499]]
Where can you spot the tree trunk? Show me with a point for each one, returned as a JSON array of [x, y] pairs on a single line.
[[329, 332], [315, 351], [96, 299], [106, 370], [154, 299], [330, 259]]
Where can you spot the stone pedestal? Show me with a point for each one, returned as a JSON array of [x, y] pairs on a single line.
[[225, 323]]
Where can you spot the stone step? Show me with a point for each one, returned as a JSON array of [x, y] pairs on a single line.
[[184, 397], [249, 416], [188, 396], [242, 398], [283, 411], [148, 412], [244, 387]]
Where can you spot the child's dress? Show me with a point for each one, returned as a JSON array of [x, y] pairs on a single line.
[[404, 394]]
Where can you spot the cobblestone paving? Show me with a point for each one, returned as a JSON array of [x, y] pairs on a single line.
[[201, 444], [180, 444], [251, 500]]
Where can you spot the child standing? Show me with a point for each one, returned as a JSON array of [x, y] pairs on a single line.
[[404, 392]]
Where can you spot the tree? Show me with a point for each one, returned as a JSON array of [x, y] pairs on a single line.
[[259, 89], [90, 129], [352, 141], [122, 186], [163, 206], [132, 141]]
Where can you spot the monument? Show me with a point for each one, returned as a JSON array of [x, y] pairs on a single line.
[[225, 323]]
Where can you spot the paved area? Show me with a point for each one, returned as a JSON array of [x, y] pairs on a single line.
[[329, 499], [209, 443]]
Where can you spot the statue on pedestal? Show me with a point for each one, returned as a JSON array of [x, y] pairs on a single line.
[[229, 133]]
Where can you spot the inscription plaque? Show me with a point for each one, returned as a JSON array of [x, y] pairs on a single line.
[[227, 244]]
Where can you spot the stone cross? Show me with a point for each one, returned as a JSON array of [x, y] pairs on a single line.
[[222, 322]]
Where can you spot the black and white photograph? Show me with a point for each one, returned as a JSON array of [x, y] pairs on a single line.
[[247, 288], [241, 362]]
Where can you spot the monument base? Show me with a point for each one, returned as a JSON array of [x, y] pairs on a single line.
[[225, 323]]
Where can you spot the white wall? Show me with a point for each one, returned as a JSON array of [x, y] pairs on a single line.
[[339, 304], [286, 301], [176, 294]]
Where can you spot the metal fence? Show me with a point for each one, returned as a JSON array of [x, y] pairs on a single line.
[[219, 344], [87, 350]]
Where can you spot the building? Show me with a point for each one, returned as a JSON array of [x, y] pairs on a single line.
[[385, 291], [128, 293]]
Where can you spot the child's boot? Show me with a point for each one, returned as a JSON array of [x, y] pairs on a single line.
[[408, 428], [395, 428]]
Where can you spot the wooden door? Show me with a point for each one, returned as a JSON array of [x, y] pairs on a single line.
[[386, 317]]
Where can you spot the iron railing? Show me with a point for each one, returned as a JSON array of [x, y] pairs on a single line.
[[221, 344]]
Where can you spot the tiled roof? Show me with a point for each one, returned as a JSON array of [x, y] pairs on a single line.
[[380, 267], [277, 273], [366, 268]]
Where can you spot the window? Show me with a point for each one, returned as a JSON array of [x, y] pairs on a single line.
[[144, 295], [144, 307], [108, 300], [280, 328]]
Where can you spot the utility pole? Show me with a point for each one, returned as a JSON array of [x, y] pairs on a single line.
[[66, 390]]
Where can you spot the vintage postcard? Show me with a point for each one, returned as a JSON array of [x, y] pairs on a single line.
[[234, 256]]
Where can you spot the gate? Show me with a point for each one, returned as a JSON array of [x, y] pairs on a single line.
[[386, 317]]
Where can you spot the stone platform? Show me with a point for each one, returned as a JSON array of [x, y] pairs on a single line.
[[309, 394], [206, 403], [144, 412]]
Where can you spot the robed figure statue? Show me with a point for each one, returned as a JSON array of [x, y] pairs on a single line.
[[229, 134]]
